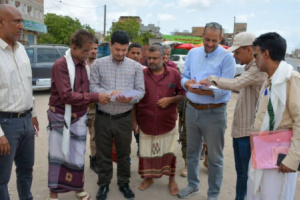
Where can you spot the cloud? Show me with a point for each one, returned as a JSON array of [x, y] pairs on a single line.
[[169, 5], [114, 16], [134, 3], [194, 4], [165, 17], [76, 11], [244, 18]]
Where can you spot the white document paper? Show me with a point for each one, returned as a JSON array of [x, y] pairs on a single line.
[[127, 94], [203, 87]]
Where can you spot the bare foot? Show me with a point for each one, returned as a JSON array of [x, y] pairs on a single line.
[[146, 183], [173, 188], [83, 195]]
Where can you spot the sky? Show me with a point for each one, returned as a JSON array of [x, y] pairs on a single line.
[[261, 16]]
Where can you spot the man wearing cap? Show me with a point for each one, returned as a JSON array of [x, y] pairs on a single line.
[[206, 110], [248, 85]]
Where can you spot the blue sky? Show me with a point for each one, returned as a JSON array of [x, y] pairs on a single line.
[[282, 16]]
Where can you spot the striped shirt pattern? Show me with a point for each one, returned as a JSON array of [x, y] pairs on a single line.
[[248, 85], [107, 76], [15, 79]]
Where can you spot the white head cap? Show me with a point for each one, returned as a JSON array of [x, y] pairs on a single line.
[[242, 39]]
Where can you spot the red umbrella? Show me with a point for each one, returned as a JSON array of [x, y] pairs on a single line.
[[186, 46]]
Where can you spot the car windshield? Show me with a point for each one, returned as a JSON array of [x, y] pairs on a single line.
[[174, 58], [183, 58]]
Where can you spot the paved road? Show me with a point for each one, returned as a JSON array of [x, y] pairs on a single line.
[[158, 191]]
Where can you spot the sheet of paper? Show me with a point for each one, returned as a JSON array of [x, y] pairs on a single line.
[[127, 94], [203, 87]]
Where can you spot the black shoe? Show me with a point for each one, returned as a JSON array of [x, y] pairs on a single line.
[[127, 192], [93, 164], [102, 192]]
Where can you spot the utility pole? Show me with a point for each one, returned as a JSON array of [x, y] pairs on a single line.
[[104, 22], [233, 29]]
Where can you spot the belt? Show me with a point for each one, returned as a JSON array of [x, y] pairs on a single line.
[[14, 115], [206, 106], [117, 116], [62, 112]]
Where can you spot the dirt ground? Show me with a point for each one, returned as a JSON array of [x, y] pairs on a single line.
[[158, 191]]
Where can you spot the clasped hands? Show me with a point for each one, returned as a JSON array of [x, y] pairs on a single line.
[[105, 98]]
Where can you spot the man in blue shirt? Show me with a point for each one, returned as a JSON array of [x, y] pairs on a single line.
[[206, 110]]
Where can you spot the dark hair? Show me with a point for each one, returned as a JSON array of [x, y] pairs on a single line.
[[80, 37], [274, 43], [156, 47], [134, 45], [213, 26], [120, 37], [96, 40]]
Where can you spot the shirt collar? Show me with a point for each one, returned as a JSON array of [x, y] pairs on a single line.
[[251, 63], [112, 59], [166, 71], [212, 53], [4, 45], [76, 62]]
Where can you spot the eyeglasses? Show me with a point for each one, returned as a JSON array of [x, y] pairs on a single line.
[[213, 24]]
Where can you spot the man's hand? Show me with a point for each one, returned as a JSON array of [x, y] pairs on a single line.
[[4, 146], [35, 124], [103, 98], [199, 91], [135, 127], [285, 169], [189, 83], [115, 92], [163, 102], [205, 82], [123, 99]]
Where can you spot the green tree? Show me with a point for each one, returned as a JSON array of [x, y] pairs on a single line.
[[143, 38], [131, 26], [60, 29]]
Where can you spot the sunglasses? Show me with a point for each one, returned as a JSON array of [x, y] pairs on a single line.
[[213, 24]]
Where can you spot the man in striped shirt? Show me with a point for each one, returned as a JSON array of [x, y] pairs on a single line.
[[17, 120], [112, 75], [248, 85]]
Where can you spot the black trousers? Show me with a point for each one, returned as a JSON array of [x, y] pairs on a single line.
[[105, 130]]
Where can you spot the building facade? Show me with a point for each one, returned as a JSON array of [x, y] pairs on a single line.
[[33, 15]]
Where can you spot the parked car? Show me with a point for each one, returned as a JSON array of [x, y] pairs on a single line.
[[179, 59], [42, 58]]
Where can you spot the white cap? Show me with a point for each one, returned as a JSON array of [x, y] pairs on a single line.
[[242, 39]]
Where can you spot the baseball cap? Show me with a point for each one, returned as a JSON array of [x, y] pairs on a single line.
[[241, 40]]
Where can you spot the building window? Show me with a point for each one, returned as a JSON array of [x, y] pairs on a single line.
[[30, 39], [25, 9]]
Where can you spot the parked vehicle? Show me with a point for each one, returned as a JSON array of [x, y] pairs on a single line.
[[239, 69], [179, 59], [42, 58]]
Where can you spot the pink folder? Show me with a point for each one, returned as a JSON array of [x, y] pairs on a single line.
[[266, 145]]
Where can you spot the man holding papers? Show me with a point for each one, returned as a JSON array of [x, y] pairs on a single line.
[[113, 75], [206, 110], [156, 117], [278, 108], [248, 85]]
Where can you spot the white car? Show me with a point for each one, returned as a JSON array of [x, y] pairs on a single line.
[[179, 59], [239, 69]]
